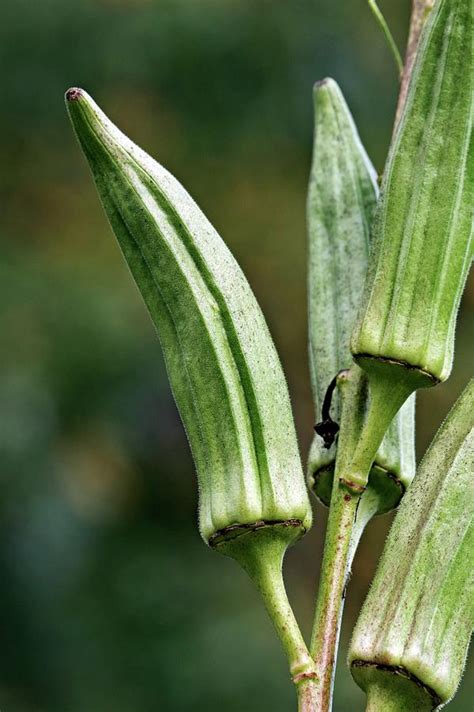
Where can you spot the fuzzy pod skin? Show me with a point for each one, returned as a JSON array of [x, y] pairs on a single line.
[[222, 365], [412, 635], [423, 231], [342, 198]]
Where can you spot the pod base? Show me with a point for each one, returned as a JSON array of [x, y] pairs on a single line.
[[392, 688]]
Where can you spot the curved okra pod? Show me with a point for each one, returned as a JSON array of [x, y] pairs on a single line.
[[410, 643], [222, 365], [423, 231], [342, 198]]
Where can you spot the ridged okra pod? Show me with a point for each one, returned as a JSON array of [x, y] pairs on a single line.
[[410, 643], [222, 365], [341, 201], [423, 230], [342, 198]]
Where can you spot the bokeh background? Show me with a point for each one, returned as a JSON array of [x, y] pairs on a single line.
[[109, 599]]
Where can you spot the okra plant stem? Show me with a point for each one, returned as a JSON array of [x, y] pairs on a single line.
[[262, 559], [333, 579], [350, 509], [348, 517], [388, 35], [339, 545], [420, 11]]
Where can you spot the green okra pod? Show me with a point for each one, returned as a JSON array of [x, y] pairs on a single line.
[[222, 364], [342, 198], [223, 368], [423, 242], [410, 643]]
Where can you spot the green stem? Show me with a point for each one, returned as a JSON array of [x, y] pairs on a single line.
[[348, 517], [419, 14], [334, 573], [350, 511], [340, 542], [388, 35], [261, 555], [352, 505], [388, 393]]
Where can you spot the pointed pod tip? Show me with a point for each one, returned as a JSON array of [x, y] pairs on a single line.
[[326, 83], [85, 117], [74, 94], [326, 90], [328, 100]]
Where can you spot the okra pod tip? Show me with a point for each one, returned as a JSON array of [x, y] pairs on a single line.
[[342, 199], [73, 94]]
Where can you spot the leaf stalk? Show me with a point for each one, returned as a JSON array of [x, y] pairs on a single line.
[[388, 35]]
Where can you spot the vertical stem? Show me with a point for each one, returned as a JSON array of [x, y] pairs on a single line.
[[351, 508], [388, 35], [338, 547], [334, 574], [348, 517], [307, 692], [419, 14]]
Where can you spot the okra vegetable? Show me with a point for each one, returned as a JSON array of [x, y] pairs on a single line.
[[422, 234], [222, 365], [342, 197], [410, 642]]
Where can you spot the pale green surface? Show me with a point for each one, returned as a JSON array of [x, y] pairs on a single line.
[[419, 613], [423, 244], [423, 232], [223, 368], [105, 582], [341, 203], [390, 693]]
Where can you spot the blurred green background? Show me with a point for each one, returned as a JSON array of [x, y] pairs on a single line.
[[109, 599]]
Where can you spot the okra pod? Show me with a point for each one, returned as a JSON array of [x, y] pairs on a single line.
[[342, 198], [223, 368], [423, 244], [410, 643]]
